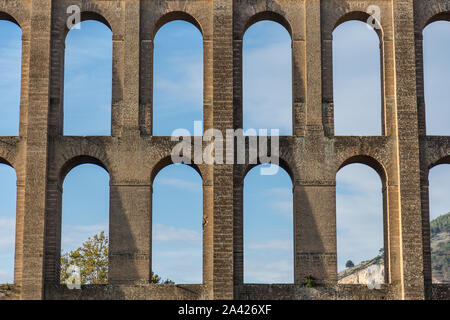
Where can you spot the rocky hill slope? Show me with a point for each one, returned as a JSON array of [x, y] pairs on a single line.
[[440, 258]]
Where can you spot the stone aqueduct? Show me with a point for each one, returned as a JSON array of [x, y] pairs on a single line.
[[402, 155]]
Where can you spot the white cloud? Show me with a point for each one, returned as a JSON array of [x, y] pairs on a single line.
[[267, 87], [283, 208], [274, 272], [359, 214], [7, 235], [169, 233], [281, 200], [73, 236], [356, 80], [180, 265], [436, 48], [6, 277], [275, 244], [7, 246], [180, 183], [181, 91]]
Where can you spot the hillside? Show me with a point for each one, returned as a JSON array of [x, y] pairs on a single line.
[[440, 248], [440, 257]]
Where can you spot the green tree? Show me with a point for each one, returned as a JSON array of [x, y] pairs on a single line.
[[92, 259], [440, 224], [157, 279], [349, 264]]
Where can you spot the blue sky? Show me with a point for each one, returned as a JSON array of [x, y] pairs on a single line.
[[178, 83]]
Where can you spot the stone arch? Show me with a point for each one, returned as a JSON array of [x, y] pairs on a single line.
[[89, 12], [428, 198], [442, 16], [20, 58], [443, 160], [6, 162], [91, 15], [430, 13], [358, 16], [248, 209], [424, 109], [96, 24], [267, 16], [173, 16], [246, 110], [158, 216], [62, 165], [78, 161], [368, 161], [8, 157], [55, 223], [339, 16], [285, 165], [159, 66], [8, 17], [17, 12], [378, 167], [167, 161]]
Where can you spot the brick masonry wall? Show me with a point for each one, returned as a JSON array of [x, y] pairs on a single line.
[[402, 156]]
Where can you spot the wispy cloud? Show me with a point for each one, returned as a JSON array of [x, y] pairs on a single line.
[[281, 200], [180, 183], [267, 89], [356, 80], [436, 47], [6, 277], [7, 236], [275, 244], [7, 241], [359, 214], [170, 233], [274, 272], [182, 265], [73, 236]]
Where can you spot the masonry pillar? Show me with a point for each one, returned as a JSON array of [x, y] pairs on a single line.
[[208, 232], [208, 75], [298, 39], [315, 231], [313, 67], [208, 170], [130, 232], [131, 69], [20, 215], [36, 151], [223, 174], [411, 253]]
